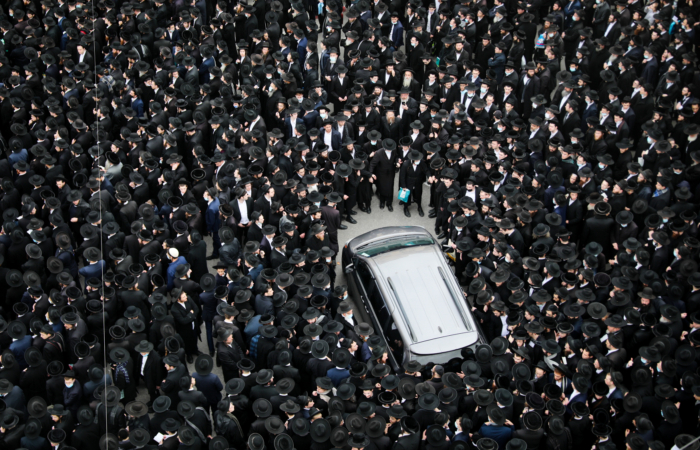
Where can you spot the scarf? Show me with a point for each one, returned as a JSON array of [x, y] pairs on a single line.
[[121, 369]]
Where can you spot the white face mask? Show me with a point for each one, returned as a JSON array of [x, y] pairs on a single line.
[[649, 141], [574, 141], [333, 59]]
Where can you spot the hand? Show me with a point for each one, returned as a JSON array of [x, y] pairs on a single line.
[[74, 219]]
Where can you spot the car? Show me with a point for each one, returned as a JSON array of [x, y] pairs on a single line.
[[410, 295]]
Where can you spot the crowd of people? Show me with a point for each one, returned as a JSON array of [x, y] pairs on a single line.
[[553, 143]]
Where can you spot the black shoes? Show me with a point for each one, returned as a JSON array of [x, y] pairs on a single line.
[[420, 211], [190, 359], [441, 235], [406, 212], [342, 227], [210, 257], [381, 204], [349, 219], [362, 208], [432, 214], [352, 212], [369, 210], [390, 207]]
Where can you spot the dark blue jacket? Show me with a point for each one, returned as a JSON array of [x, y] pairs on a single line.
[[209, 385], [93, 270], [18, 348], [212, 216], [500, 434]]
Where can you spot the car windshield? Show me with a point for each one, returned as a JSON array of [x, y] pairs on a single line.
[[394, 243]]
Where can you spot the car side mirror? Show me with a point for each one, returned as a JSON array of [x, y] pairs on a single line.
[[350, 268]]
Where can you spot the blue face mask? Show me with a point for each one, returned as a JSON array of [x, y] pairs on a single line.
[[649, 141], [644, 361]]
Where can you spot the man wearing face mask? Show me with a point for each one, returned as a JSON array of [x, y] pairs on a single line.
[[600, 18], [528, 87], [72, 393]]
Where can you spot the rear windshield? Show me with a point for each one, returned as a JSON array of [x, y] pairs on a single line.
[[394, 243]]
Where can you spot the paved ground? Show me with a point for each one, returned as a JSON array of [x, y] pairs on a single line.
[[365, 222]]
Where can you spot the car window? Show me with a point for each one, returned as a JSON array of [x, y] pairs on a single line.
[[364, 273], [373, 294], [393, 337]]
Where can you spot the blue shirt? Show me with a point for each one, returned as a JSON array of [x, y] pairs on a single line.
[[171, 270]]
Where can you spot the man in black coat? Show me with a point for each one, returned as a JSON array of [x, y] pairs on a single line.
[[175, 370], [228, 354], [149, 368], [599, 228], [411, 176], [383, 167]]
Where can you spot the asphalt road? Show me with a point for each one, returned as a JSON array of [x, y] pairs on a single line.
[[365, 222]]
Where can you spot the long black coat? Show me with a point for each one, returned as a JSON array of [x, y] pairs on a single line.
[[152, 372], [184, 320], [384, 167], [599, 229], [197, 258], [410, 178]]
